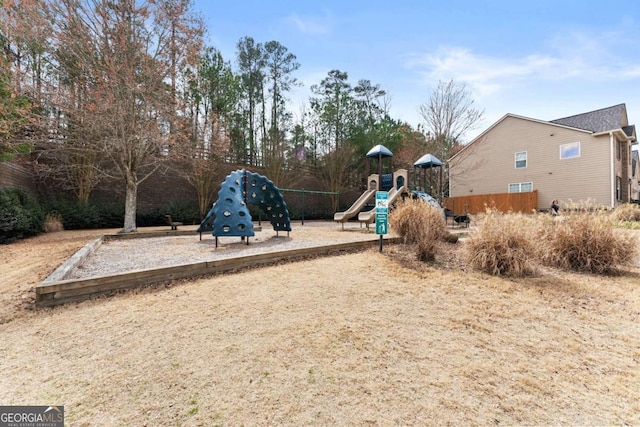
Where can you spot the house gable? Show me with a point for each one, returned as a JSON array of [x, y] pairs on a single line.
[[562, 160], [482, 136]]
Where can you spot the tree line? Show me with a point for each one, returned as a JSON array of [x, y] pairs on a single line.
[[92, 89]]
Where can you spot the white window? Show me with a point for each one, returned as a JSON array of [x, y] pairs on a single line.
[[521, 187], [521, 159], [570, 150]]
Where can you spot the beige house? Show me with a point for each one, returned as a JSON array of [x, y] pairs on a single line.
[[635, 176], [586, 158]]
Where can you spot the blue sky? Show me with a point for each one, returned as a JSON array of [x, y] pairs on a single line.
[[544, 59]]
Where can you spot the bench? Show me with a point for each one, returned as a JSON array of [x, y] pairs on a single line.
[[174, 224], [462, 220], [448, 213]]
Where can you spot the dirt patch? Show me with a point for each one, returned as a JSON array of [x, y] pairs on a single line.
[[352, 339]]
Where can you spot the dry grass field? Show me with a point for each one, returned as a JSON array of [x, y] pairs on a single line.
[[356, 339]]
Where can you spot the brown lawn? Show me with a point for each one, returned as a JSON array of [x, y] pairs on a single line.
[[356, 339]]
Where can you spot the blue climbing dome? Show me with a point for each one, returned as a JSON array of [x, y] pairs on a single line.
[[262, 193], [230, 215]]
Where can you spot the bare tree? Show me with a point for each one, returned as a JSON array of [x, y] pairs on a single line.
[[412, 146], [125, 50], [24, 35], [448, 115], [333, 170]]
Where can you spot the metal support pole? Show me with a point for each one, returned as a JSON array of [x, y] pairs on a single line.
[[380, 186], [303, 206]]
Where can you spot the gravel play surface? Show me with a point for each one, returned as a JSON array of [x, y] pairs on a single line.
[[117, 256]]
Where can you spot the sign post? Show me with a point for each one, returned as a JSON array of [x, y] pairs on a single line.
[[382, 214]]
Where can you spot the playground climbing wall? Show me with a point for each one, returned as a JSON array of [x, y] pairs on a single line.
[[230, 215]]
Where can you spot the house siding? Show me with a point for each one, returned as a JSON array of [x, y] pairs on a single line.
[[487, 165], [635, 177]]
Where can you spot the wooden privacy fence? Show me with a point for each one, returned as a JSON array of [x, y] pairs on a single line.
[[503, 202]]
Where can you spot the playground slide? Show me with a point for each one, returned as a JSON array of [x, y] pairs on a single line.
[[369, 216], [355, 208]]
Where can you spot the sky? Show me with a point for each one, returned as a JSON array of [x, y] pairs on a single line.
[[544, 59]]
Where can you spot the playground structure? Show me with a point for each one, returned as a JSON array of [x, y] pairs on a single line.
[[396, 184], [376, 182], [428, 161], [396, 188], [357, 206], [230, 214]]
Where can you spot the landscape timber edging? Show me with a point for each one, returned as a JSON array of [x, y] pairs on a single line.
[[51, 293], [65, 269]]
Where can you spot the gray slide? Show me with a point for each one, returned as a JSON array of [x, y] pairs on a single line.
[[355, 208], [370, 216]]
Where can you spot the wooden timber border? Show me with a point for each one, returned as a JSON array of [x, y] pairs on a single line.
[[56, 291]]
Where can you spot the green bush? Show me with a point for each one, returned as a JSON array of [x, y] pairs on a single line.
[[503, 246], [20, 215], [76, 215], [81, 216], [185, 212], [420, 224], [152, 218]]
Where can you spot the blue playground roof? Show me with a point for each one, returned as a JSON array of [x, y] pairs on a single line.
[[379, 151], [427, 161]]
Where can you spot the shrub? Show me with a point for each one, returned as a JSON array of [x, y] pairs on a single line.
[[587, 242], [503, 245], [627, 213], [419, 223], [53, 223], [20, 215], [450, 237], [152, 218], [75, 215], [185, 212]]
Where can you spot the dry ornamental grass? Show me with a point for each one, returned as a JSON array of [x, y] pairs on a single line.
[[503, 246], [627, 213], [420, 224], [356, 339], [587, 242]]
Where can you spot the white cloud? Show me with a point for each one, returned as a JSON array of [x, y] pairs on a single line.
[[311, 26], [488, 75], [570, 57]]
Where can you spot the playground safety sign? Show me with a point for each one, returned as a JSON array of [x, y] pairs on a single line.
[[382, 212]]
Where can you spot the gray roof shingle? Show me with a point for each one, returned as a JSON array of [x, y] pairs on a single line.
[[630, 131], [597, 121]]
